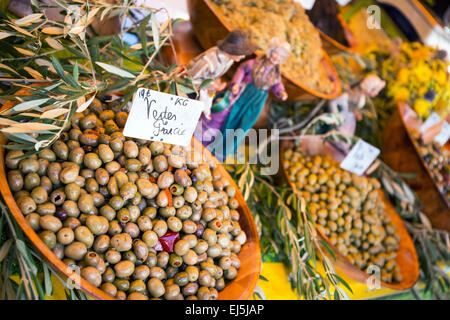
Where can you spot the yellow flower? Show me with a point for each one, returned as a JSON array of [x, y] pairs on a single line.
[[422, 90], [402, 94], [403, 75], [441, 78], [421, 107], [422, 73]]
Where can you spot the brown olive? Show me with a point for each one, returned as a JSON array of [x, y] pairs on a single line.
[[124, 269], [121, 242], [11, 160], [156, 287], [76, 250], [61, 150], [31, 181], [15, 180], [97, 224], [26, 205], [141, 272], [33, 220]]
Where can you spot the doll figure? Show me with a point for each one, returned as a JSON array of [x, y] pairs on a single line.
[[215, 62], [249, 90], [349, 104]]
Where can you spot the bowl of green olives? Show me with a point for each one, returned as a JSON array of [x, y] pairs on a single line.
[[133, 219], [353, 217]]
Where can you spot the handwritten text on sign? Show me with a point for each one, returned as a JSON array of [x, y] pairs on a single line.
[[163, 117], [360, 157]]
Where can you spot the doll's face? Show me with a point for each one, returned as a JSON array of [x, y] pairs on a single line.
[[277, 56]]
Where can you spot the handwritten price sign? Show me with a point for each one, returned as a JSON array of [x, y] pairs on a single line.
[[444, 135], [163, 117], [360, 157]]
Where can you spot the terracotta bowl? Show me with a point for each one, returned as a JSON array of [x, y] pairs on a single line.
[[241, 288], [406, 257], [209, 28], [401, 153]]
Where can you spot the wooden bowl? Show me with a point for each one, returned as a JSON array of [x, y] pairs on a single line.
[[406, 258], [401, 153], [333, 46], [241, 288], [209, 28]]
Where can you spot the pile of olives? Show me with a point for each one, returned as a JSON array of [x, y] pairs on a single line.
[[437, 159], [348, 210], [140, 219]]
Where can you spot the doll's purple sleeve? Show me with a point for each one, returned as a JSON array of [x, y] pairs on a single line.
[[278, 88], [242, 72]]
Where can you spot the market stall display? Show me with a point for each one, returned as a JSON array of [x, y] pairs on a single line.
[[403, 153], [128, 218], [87, 200], [307, 71], [353, 216]]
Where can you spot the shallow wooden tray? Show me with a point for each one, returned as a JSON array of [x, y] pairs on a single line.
[[241, 288], [406, 256], [401, 153], [209, 27]]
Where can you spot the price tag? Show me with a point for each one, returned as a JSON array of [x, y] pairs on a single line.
[[360, 158], [433, 119], [162, 117], [444, 135]]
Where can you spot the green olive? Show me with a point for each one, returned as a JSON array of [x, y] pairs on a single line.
[[156, 287], [86, 203], [121, 242], [97, 224], [130, 149], [49, 238], [26, 205], [124, 269], [15, 180], [92, 161], [141, 272], [72, 191], [50, 223], [33, 220], [39, 195], [76, 250], [61, 150], [31, 181]]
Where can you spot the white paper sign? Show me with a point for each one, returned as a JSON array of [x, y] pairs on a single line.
[[431, 121], [163, 117], [360, 158], [444, 135]]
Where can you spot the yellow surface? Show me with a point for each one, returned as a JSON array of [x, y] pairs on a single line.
[[278, 287]]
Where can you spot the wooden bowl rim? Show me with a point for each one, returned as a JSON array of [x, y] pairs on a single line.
[[326, 62], [344, 264], [244, 210], [401, 105]]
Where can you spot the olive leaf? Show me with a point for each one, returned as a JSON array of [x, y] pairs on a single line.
[[115, 70]]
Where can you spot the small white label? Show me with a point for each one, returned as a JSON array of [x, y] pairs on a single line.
[[360, 157], [444, 135], [431, 121], [162, 117]]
